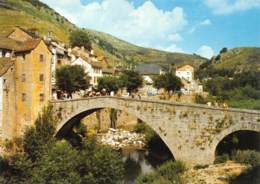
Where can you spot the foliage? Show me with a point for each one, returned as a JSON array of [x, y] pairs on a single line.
[[247, 157], [150, 134], [46, 160], [221, 158], [168, 173], [71, 78], [109, 83], [242, 89], [101, 163], [40, 136], [58, 166], [131, 80], [168, 81], [80, 38]]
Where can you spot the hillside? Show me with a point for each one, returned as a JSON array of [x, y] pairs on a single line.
[[32, 14], [239, 59]]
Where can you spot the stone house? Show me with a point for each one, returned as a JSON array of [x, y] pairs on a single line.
[[185, 72], [29, 90], [93, 69]]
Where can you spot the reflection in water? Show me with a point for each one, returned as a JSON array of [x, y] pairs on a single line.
[[139, 162], [252, 177]]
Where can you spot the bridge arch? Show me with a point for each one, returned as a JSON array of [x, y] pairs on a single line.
[[191, 131], [80, 112], [231, 130]]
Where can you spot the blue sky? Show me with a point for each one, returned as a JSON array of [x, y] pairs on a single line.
[[190, 26]]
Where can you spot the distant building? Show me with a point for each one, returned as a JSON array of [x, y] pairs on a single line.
[[185, 72], [26, 80], [93, 69], [149, 69]]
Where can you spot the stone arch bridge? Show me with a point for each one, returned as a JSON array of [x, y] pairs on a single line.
[[191, 132]]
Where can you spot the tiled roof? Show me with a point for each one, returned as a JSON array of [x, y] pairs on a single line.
[[10, 44], [5, 64], [186, 68], [148, 69]]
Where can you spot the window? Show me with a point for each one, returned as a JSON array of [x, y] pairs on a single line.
[[23, 97], [41, 97], [24, 56], [41, 57], [41, 77], [23, 77]]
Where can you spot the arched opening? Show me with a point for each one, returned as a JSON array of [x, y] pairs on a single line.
[[239, 140], [136, 161]]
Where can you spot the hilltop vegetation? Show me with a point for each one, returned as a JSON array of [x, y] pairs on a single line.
[[233, 77], [33, 14]]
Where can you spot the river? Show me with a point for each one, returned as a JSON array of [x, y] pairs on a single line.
[[137, 162]]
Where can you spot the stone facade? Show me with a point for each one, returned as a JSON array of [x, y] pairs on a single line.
[[192, 132], [28, 83]]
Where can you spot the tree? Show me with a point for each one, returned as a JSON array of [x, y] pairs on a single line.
[[80, 38], [169, 82], [39, 137], [71, 78], [108, 83], [131, 80]]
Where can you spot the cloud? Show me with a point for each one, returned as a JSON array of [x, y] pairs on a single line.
[[170, 48], [175, 37], [145, 25], [222, 7], [206, 22], [205, 51]]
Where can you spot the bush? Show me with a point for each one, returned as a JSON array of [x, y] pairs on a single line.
[[221, 158], [168, 173], [247, 157]]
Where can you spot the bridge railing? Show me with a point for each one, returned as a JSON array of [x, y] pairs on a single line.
[[249, 111]]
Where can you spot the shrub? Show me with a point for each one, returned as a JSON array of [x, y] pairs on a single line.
[[168, 173], [221, 158], [247, 157]]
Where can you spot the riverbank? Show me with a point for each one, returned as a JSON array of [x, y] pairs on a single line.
[[215, 174], [118, 139]]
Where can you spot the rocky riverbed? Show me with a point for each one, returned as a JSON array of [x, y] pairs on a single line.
[[118, 138], [215, 174]]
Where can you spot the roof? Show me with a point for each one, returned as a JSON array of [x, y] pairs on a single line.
[[31, 32], [5, 64], [186, 68], [108, 70], [96, 64], [148, 69], [10, 44]]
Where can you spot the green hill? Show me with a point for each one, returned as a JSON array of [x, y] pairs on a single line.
[[33, 14], [238, 59]]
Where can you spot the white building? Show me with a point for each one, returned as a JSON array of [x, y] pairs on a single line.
[[93, 69], [185, 72]]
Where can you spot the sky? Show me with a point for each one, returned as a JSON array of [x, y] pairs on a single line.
[[188, 26]]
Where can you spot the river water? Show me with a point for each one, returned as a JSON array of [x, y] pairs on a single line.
[[137, 162]]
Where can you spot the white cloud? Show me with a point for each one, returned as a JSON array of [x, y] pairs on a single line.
[[205, 51], [221, 7], [171, 48], [206, 22], [145, 25], [175, 37]]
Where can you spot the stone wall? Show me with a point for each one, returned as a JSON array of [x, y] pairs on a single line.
[[192, 132]]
